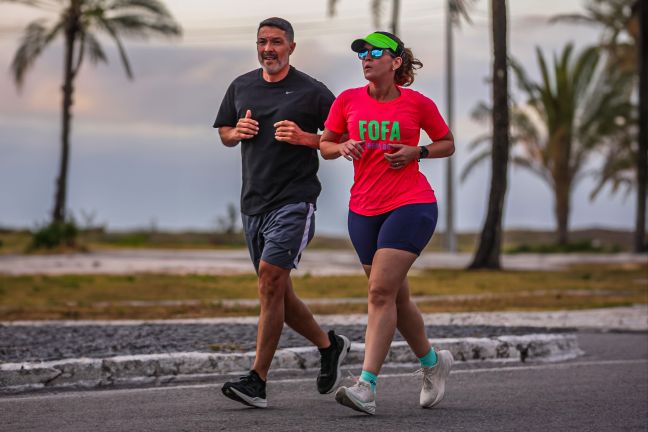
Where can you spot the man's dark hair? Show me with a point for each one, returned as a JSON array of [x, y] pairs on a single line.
[[279, 23]]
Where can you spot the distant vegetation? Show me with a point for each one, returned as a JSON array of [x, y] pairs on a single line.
[[98, 238]]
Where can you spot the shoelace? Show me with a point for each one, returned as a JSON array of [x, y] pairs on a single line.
[[427, 377], [350, 376], [356, 380], [247, 379]]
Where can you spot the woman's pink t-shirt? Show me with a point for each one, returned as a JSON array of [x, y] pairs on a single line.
[[376, 187]]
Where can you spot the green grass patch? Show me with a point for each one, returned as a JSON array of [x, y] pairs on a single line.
[[112, 297]]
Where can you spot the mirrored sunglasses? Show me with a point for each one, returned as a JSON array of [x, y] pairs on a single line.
[[374, 53]]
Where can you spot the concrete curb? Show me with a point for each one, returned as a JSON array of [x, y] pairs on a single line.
[[178, 367]]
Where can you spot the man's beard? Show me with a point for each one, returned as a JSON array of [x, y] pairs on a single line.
[[275, 67]]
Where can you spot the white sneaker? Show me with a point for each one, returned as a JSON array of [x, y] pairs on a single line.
[[434, 379], [360, 397]]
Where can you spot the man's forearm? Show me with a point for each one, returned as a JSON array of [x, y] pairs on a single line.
[[227, 136], [310, 140]]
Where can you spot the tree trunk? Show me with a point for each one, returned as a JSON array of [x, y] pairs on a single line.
[[450, 236], [488, 252], [395, 14], [71, 31], [562, 174], [562, 192], [642, 158]]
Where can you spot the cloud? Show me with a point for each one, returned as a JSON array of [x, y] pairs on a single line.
[[145, 148]]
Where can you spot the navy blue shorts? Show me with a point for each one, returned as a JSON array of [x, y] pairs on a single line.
[[407, 228]]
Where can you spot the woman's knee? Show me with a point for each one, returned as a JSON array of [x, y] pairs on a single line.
[[381, 293]]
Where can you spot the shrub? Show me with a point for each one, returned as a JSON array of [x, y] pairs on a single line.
[[54, 235]]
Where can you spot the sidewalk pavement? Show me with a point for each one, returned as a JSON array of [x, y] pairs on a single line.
[[162, 368], [314, 262]]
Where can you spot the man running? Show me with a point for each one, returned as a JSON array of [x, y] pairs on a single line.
[[275, 113]]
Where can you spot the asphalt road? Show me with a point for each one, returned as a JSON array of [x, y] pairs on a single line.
[[605, 390]]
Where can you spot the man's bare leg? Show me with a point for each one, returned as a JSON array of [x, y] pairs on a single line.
[[299, 317], [273, 285]]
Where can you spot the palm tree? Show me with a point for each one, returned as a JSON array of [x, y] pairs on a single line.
[[641, 10], [621, 38], [490, 242], [575, 110], [79, 22], [455, 10]]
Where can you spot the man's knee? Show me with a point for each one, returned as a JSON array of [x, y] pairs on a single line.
[[273, 282]]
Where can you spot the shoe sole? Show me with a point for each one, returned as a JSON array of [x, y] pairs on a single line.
[[338, 374], [245, 399], [343, 398], [450, 361]]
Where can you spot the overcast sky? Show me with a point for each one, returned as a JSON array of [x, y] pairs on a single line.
[[144, 151]]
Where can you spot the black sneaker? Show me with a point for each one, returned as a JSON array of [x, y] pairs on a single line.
[[249, 390], [332, 357]]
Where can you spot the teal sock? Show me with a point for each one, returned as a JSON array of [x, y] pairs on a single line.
[[429, 360], [370, 378]]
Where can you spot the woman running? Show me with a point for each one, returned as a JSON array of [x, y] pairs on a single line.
[[392, 210]]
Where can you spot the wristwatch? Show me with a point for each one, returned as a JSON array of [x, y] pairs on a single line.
[[423, 152]]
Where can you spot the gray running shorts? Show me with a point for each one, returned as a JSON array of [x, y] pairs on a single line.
[[280, 236]]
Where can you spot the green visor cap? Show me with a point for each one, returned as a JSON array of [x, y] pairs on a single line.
[[377, 40]]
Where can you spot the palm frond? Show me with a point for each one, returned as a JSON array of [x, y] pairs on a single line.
[[34, 40], [617, 171], [460, 9], [481, 112], [546, 93], [81, 53], [526, 134], [106, 26], [573, 19], [95, 50], [475, 161], [141, 26], [584, 70], [479, 140], [534, 168], [524, 83], [153, 7], [51, 5]]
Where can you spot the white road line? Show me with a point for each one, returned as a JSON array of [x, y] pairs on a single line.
[[169, 388]]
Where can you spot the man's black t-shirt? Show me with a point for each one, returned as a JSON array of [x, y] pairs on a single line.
[[274, 172]]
